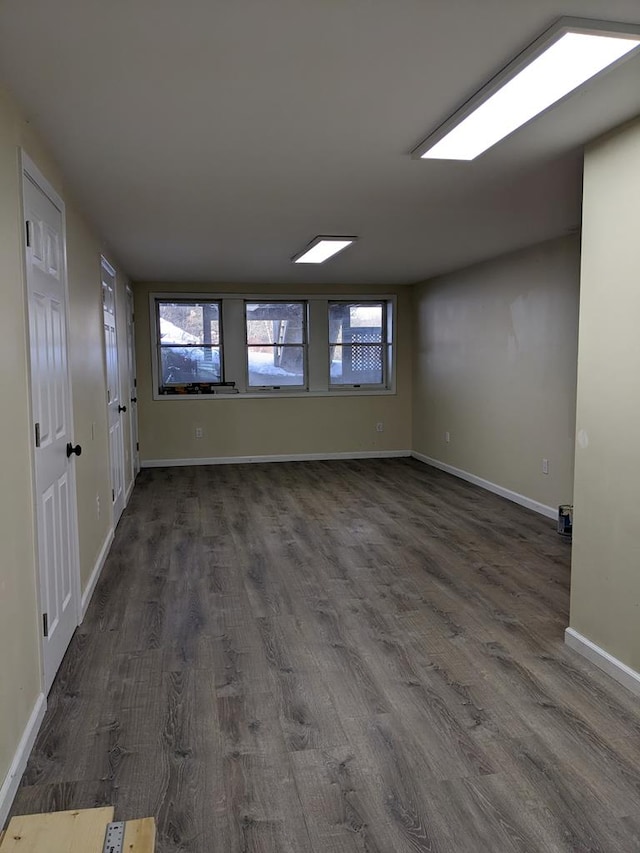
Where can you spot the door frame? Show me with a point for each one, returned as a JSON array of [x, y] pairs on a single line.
[[105, 265], [132, 372], [29, 171]]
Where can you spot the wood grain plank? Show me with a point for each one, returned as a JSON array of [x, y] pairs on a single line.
[[63, 796], [74, 831], [398, 785], [338, 808], [140, 836]]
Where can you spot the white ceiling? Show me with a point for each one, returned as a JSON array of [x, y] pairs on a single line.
[[212, 139]]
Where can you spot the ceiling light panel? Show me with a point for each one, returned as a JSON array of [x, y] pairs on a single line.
[[556, 64], [321, 249]]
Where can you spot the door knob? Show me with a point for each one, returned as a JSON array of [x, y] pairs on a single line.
[[134, 399], [122, 408], [71, 449]]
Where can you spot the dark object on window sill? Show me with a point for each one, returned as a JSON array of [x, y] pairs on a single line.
[[195, 388]]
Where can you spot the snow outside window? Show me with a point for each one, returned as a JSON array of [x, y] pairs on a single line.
[[189, 344], [276, 344]]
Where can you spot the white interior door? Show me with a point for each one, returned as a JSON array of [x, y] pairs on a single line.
[[115, 405], [133, 386], [51, 405]]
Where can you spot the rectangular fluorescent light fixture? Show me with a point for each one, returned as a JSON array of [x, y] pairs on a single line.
[[562, 59], [320, 249]]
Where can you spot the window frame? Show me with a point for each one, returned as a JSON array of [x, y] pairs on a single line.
[[159, 346], [233, 342], [270, 389], [385, 345]]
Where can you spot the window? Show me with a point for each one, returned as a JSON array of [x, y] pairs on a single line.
[[359, 344], [276, 344], [221, 345], [189, 344]]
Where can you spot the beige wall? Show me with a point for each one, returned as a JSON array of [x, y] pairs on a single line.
[[20, 668], [250, 427], [495, 366], [19, 647], [605, 587]]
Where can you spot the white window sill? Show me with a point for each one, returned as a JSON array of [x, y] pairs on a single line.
[[267, 394]]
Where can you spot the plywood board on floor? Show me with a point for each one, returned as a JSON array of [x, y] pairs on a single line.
[[73, 831]]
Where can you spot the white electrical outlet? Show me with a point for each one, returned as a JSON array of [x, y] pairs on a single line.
[[198, 432], [379, 427], [545, 466], [447, 437]]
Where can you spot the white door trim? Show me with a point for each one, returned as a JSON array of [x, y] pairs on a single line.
[[29, 171], [116, 455], [132, 376]]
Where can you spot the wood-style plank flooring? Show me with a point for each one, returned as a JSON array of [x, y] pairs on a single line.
[[337, 657]]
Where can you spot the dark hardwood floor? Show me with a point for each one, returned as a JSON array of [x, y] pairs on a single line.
[[338, 657]]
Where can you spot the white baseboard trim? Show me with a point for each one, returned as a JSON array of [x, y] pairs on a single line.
[[12, 779], [289, 457], [128, 492], [95, 574], [628, 677], [523, 500]]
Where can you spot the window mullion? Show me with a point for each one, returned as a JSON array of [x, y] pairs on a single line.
[[235, 367], [318, 352]]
